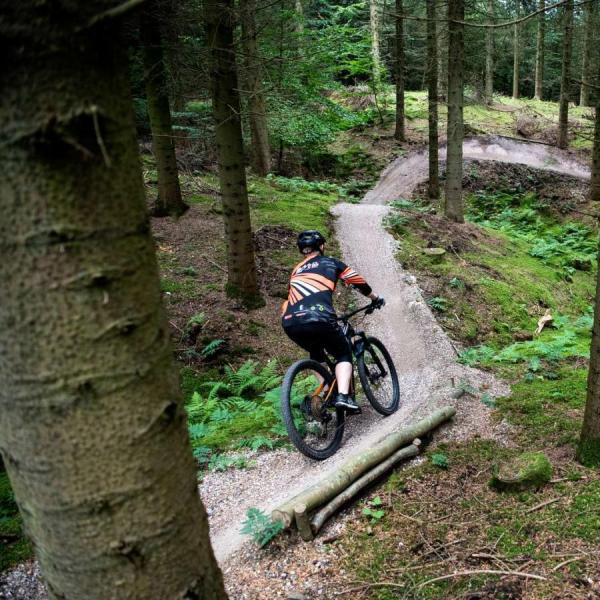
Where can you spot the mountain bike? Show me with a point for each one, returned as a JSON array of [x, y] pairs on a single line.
[[309, 389]]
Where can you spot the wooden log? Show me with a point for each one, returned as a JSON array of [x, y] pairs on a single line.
[[333, 483], [362, 482], [303, 522]]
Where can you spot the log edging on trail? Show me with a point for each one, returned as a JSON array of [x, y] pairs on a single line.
[[334, 483], [320, 517]]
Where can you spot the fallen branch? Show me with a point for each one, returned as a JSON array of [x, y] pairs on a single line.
[[334, 483], [482, 572], [566, 562], [541, 505], [319, 519]]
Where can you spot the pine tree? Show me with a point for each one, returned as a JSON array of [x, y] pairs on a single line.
[[489, 57], [399, 133], [454, 201], [432, 96], [565, 80], [539, 52]]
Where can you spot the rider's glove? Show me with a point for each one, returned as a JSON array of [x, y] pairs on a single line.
[[379, 302]]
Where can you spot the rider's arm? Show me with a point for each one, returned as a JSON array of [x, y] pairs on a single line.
[[350, 277]]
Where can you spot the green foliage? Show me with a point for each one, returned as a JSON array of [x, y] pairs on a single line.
[[456, 283], [211, 348], [439, 459], [240, 408], [15, 547], [297, 184], [438, 303], [222, 462], [373, 510], [260, 527]]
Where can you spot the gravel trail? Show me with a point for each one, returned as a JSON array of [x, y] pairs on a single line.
[[423, 354]]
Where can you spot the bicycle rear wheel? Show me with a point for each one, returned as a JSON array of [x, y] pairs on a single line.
[[314, 427], [378, 377]]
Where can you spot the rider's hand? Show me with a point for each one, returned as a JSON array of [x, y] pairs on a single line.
[[379, 302]]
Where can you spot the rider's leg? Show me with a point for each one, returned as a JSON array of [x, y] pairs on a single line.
[[343, 374]]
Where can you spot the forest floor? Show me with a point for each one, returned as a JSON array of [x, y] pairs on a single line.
[[448, 519]]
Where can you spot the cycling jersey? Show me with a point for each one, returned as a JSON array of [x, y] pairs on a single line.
[[310, 291]]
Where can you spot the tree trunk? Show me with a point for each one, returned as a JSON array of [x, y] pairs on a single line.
[[587, 65], [259, 133], [442, 52], [92, 424], [432, 97], [595, 179], [241, 268], [399, 134], [168, 201], [588, 450], [516, 54], [375, 53], [489, 56], [454, 201], [539, 53], [563, 116]]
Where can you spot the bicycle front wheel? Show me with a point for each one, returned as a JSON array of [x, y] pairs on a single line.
[[378, 377], [314, 427]]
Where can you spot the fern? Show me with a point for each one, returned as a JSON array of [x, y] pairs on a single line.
[[211, 348], [260, 526]]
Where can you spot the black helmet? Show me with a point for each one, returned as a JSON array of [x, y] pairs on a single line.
[[310, 238]]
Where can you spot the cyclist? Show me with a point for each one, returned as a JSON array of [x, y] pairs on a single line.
[[308, 316]]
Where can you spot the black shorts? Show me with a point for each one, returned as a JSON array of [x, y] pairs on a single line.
[[319, 336]]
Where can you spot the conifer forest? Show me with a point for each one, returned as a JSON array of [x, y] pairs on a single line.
[[191, 408]]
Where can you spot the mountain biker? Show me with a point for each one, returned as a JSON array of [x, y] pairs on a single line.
[[308, 317]]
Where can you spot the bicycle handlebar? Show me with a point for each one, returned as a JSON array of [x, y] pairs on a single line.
[[368, 308]]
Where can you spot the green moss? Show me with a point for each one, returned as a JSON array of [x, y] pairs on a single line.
[[549, 410], [526, 471], [588, 453]]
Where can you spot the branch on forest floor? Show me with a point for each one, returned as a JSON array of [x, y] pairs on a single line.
[[111, 13], [482, 572]]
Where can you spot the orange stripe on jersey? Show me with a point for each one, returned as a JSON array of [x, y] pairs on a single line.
[[321, 279], [355, 279], [309, 257], [294, 296], [321, 287]]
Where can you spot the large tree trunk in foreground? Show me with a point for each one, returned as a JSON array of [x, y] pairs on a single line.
[[454, 200], [399, 134], [539, 52], [168, 201], [259, 132], [353, 468], [489, 56], [241, 268], [433, 187], [92, 425], [587, 63], [565, 79]]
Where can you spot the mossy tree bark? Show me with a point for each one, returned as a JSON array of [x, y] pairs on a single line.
[[169, 201], [433, 187], [489, 56], [259, 132], [241, 268], [565, 79], [92, 425], [590, 10], [539, 52], [399, 133], [442, 51], [595, 180], [454, 201]]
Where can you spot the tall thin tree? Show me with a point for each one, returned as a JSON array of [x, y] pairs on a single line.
[[539, 51], [374, 23], [241, 267], [433, 187], [92, 423], [516, 54], [259, 132], [399, 133], [565, 78], [168, 200], [489, 57], [454, 200], [589, 43]]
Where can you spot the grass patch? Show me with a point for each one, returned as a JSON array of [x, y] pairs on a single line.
[[14, 547]]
